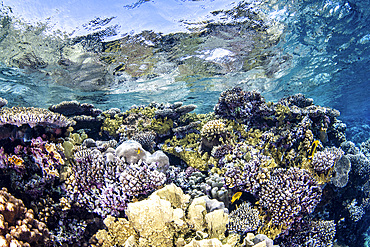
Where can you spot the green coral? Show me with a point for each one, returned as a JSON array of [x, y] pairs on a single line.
[[188, 151], [160, 126], [146, 111], [282, 112], [111, 125]]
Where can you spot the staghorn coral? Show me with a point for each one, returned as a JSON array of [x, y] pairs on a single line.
[[244, 219], [18, 227]]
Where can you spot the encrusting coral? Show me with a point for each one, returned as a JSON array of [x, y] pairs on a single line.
[[18, 226]]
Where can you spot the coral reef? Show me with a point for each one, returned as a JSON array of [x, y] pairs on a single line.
[[288, 196], [18, 224], [32, 167], [33, 117], [301, 182], [244, 219], [312, 233], [75, 108], [179, 222], [104, 183]]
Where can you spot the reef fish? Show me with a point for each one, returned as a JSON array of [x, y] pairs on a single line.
[[236, 196]]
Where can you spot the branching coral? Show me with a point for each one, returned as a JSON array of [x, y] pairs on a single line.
[[32, 116], [244, 219], [105, 185], [288, 196]]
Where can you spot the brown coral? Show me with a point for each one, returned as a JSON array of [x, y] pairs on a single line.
[[17, 224]]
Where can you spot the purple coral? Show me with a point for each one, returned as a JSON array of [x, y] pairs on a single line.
[[27, 162], [105, 187], [324, 161], [242, 106], [289, 195]]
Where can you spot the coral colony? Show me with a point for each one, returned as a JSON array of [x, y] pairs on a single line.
[[251, 173]]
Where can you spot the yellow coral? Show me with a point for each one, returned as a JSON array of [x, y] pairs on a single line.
[[160, 126], [112, 125], [118, 231]]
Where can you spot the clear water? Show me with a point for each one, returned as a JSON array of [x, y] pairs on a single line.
[[319, 48], [119, 54]]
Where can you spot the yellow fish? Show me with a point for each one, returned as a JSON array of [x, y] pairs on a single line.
[[236, 196], [138, 151], [313, 149]]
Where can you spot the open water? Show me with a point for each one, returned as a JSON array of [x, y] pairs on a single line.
[[167, 51]]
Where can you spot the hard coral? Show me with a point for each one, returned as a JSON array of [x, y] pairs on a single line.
[[288, 196], [104, 183], [242, 106], [311, 233], [75, 108], [17, 224], [32, 116], [244, 219]]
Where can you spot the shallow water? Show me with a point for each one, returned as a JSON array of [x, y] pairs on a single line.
[[117, 55]]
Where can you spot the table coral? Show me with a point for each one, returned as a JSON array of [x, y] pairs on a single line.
[[75, 108], [32, 116]]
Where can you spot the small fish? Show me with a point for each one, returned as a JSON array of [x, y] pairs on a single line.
[[313, 149], [138, 151], [236, 196], [323, 135]]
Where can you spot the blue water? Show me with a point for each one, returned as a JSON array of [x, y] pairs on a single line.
[[318, 48]]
